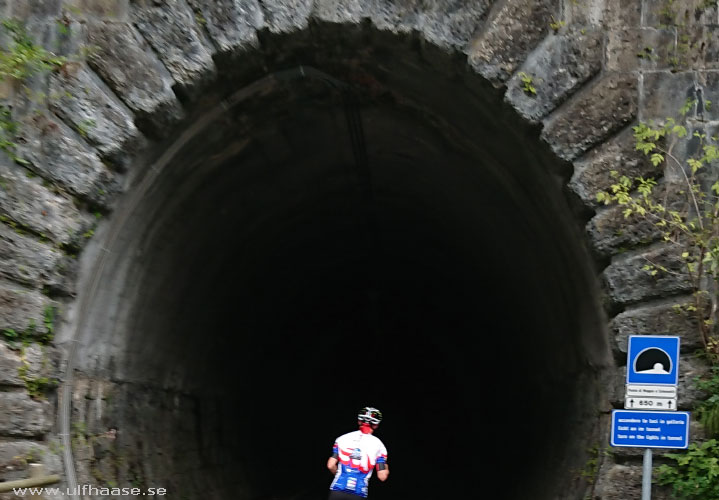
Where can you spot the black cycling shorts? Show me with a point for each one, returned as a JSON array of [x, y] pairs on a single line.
[[342, 495]]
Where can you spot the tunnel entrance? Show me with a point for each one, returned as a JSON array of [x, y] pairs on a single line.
[[351, 228]]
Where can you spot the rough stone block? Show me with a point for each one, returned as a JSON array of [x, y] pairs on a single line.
[[560, 65], [57, 154], [624, 482], [285, 16], [36, 359], [622, 14], [10, 363], [667, 318], [592, 115], [586, 14], [665, 94], [628, 283], [36, 9], [509, 34], [95, 114], [610, 232], [169, 26], [22, 416], [127, 64], [20, 308], [640, 48], [16, 458], [708, 108], [687, 13], [29, 203], [592, 172], [232, 24], [114, 10], [452, 23], [339, 11], [28, 261]]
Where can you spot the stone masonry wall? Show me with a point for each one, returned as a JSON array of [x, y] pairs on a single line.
[[599, 66]]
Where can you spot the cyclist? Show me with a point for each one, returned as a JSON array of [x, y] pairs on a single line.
[[355, 455]]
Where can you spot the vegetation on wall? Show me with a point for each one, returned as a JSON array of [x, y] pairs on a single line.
[[684, 213]]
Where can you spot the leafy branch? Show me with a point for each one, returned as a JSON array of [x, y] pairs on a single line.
[[692, 224]]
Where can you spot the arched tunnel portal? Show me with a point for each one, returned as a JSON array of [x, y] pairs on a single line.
[[349, 228]]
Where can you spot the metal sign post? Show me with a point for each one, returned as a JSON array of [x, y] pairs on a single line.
[[652, 378], [647, 475]]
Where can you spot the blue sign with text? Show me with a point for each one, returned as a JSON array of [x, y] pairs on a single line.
[[650, 429], [653, 359]]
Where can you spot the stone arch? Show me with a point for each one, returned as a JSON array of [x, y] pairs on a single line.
[[162, 66]]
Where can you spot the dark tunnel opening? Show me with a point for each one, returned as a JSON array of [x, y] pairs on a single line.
[[269, 284]]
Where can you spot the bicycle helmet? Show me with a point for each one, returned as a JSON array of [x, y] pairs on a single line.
[[369, 415]]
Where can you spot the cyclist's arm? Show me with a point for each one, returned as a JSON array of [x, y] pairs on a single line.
[[382, 474], [332, 464]]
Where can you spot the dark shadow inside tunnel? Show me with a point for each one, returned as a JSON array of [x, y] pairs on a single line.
[[282, 272]]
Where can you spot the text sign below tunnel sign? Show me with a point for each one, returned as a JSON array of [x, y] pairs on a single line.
[[653, 359], [650, 429]]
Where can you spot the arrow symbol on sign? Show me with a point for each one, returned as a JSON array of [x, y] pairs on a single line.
[[631, 402], [669, 403]]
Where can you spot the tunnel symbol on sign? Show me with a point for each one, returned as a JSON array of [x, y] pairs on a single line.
[[653, 360]]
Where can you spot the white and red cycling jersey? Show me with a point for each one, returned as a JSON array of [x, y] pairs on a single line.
[[358, 455]]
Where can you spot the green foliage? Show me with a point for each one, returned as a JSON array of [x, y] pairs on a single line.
[[556, 25], [696, 473], [708, 410], [527, 84], [691, 225], [24, 58]]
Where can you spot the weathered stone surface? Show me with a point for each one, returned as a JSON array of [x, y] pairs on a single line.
[[452, 23], [29, 203], [36, 9], [592, 115], [232, 24], [169, 26], [16, 458], [640, 48], [96, 114], [689, 13], [10, 363], [339, 11], [36, 360], [665, 94], [26, 260], [690, 368], [592, 172], [57, 154], [509, 34], [624, 482], [560, 65], [708, 106], [115, 10], [585, 14], [22, 416], [127, 64], [629, 283], [611, 232], [20, 308], [285, 16], [622, 14], [666, 318]]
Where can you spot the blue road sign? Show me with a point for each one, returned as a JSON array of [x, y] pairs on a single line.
[[650, 429], [653, 359]]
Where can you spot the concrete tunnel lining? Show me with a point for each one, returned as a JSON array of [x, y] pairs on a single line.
[[248, 273]]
